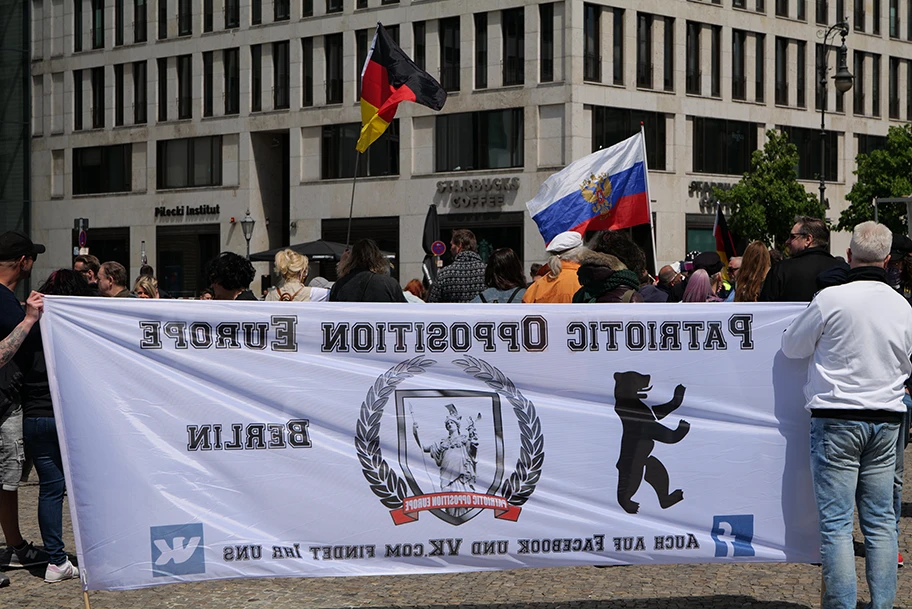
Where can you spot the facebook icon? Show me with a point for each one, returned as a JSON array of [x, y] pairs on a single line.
[[178, 550], [736, 532]]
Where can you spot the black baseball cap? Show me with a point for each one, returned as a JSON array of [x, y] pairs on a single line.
[[14, 245]]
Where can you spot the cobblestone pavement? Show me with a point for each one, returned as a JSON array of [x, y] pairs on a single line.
[[757, 586]]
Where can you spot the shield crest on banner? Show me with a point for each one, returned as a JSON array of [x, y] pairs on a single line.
[[459, 446]]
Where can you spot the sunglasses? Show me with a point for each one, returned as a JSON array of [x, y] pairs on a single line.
[[796, 235]]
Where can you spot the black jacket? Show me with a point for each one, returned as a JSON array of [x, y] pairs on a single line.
[[795, 279], [362, 285]]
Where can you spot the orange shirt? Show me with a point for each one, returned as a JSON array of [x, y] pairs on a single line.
[[560, 289]]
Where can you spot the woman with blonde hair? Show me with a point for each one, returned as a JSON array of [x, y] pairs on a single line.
[[755, 264], [145, 287], [291, 267]]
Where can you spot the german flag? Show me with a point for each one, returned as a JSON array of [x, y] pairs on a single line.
[[390, 77], [725, 245]]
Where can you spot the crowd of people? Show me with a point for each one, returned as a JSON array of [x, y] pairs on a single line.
[[857, 330]]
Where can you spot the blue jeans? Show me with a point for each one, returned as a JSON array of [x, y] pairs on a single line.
[[40, 435], [853, 462], [901, 441]]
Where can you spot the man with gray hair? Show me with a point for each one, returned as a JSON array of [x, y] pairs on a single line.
[[859, 338]]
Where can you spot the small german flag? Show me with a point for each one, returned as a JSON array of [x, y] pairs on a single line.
[[390, 77]]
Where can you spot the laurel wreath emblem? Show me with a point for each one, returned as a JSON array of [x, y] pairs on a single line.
[[386, 483]]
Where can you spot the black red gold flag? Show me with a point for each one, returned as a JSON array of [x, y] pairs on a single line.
[[725, 245], [388, 78]]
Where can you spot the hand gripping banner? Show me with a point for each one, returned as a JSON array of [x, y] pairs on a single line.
[[209, 440]]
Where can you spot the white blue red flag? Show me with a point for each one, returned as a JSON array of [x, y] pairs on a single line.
[[603, 191]]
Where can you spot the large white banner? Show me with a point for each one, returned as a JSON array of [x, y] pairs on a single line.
[[207, 440]]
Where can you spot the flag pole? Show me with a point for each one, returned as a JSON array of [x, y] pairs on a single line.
[[351, 206], [655, 263]]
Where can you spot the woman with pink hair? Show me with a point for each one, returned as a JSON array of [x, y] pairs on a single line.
[[699, 288]]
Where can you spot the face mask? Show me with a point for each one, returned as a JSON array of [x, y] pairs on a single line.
[[894, 277]]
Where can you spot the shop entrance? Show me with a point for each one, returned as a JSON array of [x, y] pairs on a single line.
[[492, 231], [183, 253]]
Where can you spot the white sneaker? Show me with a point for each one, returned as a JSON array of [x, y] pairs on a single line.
[[55, 573]]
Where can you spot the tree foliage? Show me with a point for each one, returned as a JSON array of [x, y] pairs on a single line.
[[765, 202], [883, 173]]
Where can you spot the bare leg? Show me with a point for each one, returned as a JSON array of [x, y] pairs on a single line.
[[9, 517]]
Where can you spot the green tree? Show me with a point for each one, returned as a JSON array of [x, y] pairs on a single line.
[[883, 173], [765, 202]]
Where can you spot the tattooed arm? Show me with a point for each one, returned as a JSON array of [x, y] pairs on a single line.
[[10, 345]]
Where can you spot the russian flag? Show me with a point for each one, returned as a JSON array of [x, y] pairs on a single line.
[[603, 191]]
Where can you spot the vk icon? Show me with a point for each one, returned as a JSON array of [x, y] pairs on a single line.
[[735, 531], [178, 550]]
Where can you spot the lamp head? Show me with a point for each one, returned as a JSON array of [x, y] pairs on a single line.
[[843, 78], [247, 224]]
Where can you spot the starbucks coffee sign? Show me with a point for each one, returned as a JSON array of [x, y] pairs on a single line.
[[477, 192]]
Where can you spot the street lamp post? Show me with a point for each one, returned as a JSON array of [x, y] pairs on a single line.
[[843, 80], [247, 225]]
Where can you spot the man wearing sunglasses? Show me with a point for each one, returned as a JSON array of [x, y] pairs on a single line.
[[794, 279]]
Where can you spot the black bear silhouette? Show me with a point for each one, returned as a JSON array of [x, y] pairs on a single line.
[[641, 430]]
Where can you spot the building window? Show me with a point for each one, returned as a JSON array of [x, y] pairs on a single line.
[[546, 23], [739, 3], [866, 144], [782, 8], [282, 10], [280, 75], [208, 82], [140, 93], [118, 95], [800, 78], [118, 22], [162, 89], [162, 19], [875, 17], [514, 46], [893, 89], [140, 21], [98, 24], [256, 77], [592, 60], [449, 53], [761, 6], [802, 10], [723, 146], [184, 17], [909, 21], [894, 18], [858, 89], [644, 50], [739, 80], [333, 49], [334, 6], [823, 12], [611, 126], [782, 92], [669, 53], [256, 12], [77, 100], [479, 140], [232, 13], [207, 15], [77, 26], [102, 169], [307, 10], [360, 59], [231, 57], [808, 143], [759, 68], [359, 4], [481, 50], [716, 63], [617, 47], [419, 31], [190, 163], [859, 20], [308, 71], [694, 85], [875, 85], [98, 98], [840, 11], [338, 152], [185, 86], [909, 90]]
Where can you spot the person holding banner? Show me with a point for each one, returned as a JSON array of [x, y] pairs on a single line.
[[859, 338], [230, 275]]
